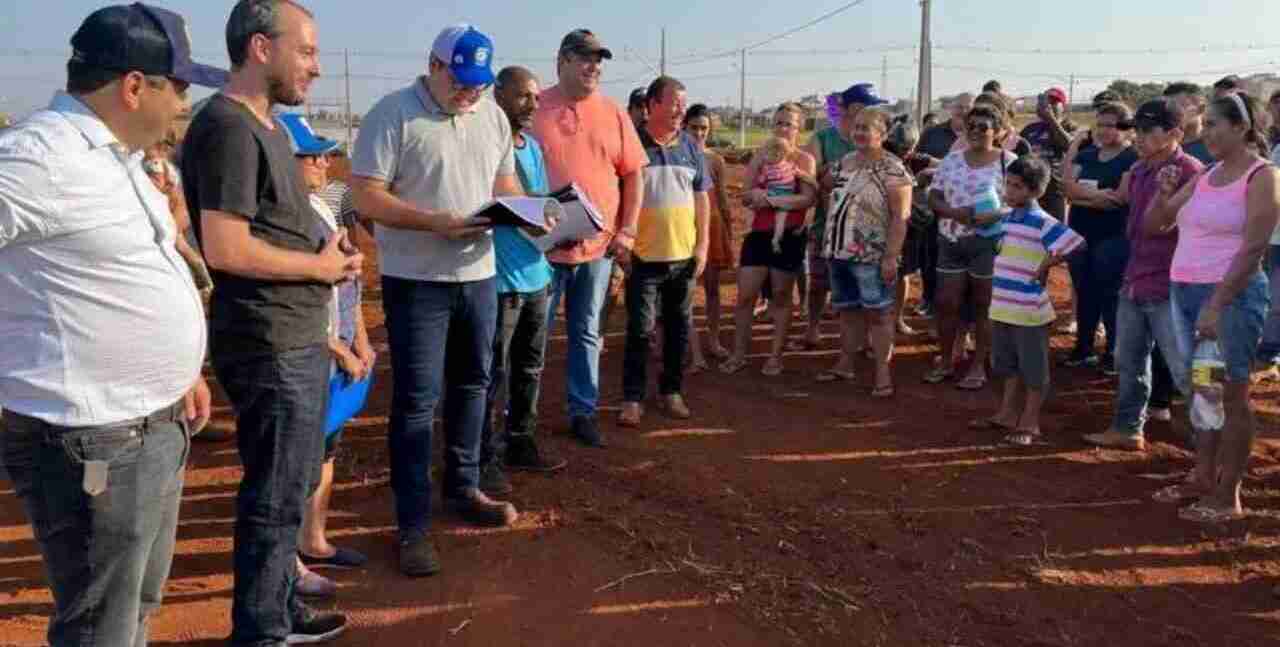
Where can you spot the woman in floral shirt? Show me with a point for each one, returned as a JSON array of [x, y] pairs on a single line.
[[863, 243]]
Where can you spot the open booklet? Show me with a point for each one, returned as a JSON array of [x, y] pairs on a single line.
[[578, 219]]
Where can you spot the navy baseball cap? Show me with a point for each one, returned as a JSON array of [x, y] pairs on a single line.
[[142, 38], [862, 94], [1162, 112], [467, 52], [302, 138]]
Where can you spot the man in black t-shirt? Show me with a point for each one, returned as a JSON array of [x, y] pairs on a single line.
[[269, 309]]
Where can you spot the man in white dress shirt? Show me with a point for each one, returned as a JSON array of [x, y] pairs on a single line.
[[103, 327]]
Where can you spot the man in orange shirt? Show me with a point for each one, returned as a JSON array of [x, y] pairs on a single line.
[[589, 140]]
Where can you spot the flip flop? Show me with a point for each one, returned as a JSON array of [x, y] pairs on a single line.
[[718, 352], [971, 383], [697, 367], [883, 392], [801, 345], [341, 558], [1199, 513], [989, 424], [1176, 493], [832, 375], [938, 375], [731, 366], [771, 368], [1024, 438]]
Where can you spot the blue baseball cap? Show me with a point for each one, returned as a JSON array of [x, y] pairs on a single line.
[[862, 94], [141, 38], [302, 139], [467, 52]]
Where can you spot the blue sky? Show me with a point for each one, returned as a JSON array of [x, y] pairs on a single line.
[[389, 37]]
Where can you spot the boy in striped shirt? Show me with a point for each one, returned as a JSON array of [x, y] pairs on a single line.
[[1021, 313]]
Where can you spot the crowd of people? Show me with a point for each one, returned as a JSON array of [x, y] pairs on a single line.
[[1164, 212]]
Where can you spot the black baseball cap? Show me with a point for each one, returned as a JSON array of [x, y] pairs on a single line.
[[1162, 112], [141, 38], [583, 41], [639, 97]]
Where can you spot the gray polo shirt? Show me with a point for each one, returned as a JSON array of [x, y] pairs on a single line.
[[434, 161]]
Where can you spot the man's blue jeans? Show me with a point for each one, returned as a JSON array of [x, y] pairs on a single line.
[[1142, 327], [280, 401], [107, 555], [583, 288], [440, 334]]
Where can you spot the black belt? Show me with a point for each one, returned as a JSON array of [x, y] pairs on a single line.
[[176, 412]]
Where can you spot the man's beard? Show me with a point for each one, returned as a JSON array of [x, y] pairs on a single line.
[[278, 93]]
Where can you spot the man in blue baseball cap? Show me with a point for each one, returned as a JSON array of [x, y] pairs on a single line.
[[427, 157], [464, 59], [104, 328]]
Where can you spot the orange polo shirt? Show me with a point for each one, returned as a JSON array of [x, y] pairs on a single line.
[[591, 143]]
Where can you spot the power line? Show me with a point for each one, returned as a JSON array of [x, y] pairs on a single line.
[[691, 58]]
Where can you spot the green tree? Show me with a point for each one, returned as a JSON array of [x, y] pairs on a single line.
[[1136, 94]]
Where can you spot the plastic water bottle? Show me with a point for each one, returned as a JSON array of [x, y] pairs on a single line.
[[987, 203], [1208, 372]]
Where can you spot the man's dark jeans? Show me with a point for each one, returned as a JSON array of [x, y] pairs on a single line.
[[519, 353], [651, 286], [280, 402], [1096, 273], [107, 555], [440, 334]]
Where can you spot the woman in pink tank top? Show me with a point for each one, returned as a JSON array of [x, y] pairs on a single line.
[[1224, 219]]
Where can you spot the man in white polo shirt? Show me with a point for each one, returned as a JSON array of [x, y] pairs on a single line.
[[103, 326], [427, 156]]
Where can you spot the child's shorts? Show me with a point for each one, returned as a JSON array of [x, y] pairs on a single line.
[[1021, 351]]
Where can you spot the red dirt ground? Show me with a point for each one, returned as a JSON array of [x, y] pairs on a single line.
[[785, 513]]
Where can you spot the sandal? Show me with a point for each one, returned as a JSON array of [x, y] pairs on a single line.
[[833, 375], [989, 424], [971, 383], [772, 367], [717, 352], [697, 367], [882, 392], [938, 375], [801, 345], [731, 366], [1177, 493], [1200, 513], [1024, 438]]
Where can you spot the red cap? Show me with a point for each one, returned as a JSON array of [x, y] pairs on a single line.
[[1057, 95]]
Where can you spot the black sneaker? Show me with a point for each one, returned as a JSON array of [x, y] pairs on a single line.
[[311, 626], [477, 508], [1108, 365], [1077, 359], [523, 455], [584, 428], [418, 556], [492, 480]]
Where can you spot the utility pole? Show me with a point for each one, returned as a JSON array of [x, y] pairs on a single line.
[[924, 85], [662, 65], [742, 106], [1071, 93], [884, 76], [346, 60]]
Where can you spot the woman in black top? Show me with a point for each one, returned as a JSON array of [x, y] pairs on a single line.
[[1092, 173]]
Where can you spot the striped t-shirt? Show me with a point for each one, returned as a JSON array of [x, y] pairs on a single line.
[[1030, 236], [667, 230]]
